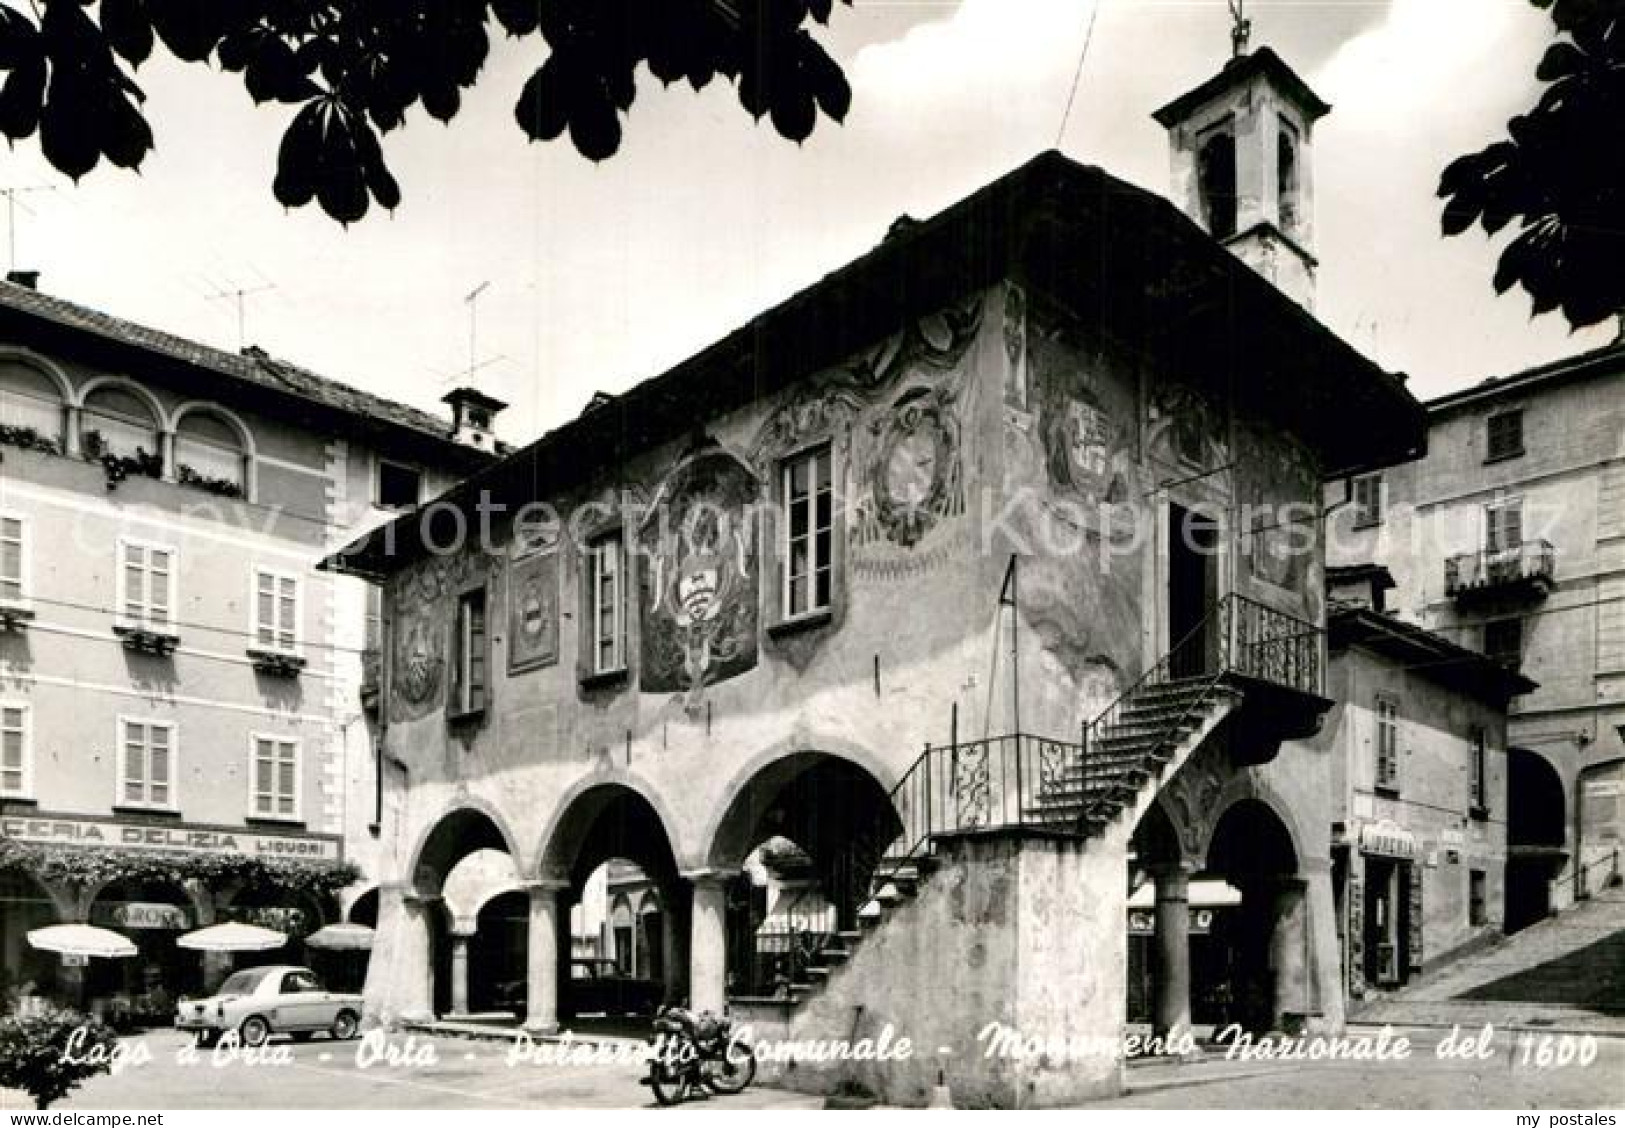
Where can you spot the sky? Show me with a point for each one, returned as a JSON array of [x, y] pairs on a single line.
[[602, 275]]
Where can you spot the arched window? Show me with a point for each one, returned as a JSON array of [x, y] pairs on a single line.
[[1216, 179], [209, 452], [117, 421], [30, 401], [1286, 177]]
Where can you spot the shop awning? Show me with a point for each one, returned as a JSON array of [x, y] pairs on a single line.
[[81, 940], [232, 937], [341, 938], [1204, 893], [1388, 840]]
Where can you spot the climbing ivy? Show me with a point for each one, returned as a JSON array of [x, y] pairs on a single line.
[[78, 867]]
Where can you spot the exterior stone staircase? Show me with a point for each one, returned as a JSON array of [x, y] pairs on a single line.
[[1070, 789], [1150, 729]]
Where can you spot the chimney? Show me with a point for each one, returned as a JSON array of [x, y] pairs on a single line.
[[1241, 146], [25, 278], [472, 415]]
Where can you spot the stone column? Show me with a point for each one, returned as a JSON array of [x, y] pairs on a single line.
[[674, 916], [459, 973], [400, 973], [542, 971], [708, 946], [1171, 1005], [1289, 940]]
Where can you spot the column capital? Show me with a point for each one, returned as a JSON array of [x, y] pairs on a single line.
[[544, 885], [709, 876]]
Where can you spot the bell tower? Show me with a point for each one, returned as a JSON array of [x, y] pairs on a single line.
[[1241, 145]]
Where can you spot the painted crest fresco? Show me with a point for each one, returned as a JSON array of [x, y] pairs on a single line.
[[892, 416], [533, 612], [699, 596], [420, 603]]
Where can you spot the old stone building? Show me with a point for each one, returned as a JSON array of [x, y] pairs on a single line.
[[987, 571], [1418, 740], [184, 731], [1509, 539]]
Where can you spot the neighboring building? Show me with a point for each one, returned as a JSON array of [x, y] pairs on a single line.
[[1509, 539], [1418, 740], [1012, 524], [180, 691]]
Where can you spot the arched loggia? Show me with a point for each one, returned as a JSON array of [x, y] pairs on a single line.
[[801, 836], [1262, 948], [608, 839]]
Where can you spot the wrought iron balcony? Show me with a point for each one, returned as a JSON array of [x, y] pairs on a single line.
[[1527, 569]]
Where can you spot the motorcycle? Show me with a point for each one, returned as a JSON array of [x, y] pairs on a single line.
[[693, 1052]]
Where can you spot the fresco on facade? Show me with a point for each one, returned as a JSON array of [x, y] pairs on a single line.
[[533, 612], [1278, 492], [892, 417], [699, 594], [421, 606], [1069, 472], [1185, 428]]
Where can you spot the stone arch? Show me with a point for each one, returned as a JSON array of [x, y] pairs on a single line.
[[363, 907], [471, 823], [552, 845], [613, 815], [42, 364], [796, 744], [245, 435], [23, 398], [1245, 786], [1537, 800], [161, 418]]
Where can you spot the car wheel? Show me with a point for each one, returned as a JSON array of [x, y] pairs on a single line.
[[254, 1031], [344, 1026]]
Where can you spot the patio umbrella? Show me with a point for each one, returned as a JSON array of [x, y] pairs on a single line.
[[232, 937], [81, 940], [342, 938]]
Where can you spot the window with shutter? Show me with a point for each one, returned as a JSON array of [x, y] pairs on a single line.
[[1368, 500], [147, 764], [16, 770], [1387, 743], [276, 611], [470, 685], [276, 778], [13, 559], [146, 586]]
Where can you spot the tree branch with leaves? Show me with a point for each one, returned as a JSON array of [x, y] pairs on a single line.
[[356, 68], [1559, 174]]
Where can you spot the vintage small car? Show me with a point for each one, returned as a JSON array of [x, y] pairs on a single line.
[[258, 1002]]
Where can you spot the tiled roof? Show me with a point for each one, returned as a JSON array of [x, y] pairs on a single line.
[[254, 366]]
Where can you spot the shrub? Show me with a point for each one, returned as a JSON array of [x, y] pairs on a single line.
[[41, 1056]]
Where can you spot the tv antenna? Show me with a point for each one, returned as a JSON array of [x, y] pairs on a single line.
[[239, 294], [12, 204], [1242, 30], [471, 300]]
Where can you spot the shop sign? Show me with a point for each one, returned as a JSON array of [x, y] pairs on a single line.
[[1142, 922], [57, 831], [1387, 839], [140, 914]]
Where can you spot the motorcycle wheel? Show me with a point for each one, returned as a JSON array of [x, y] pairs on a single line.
[[667, 1084], [733, 1071]]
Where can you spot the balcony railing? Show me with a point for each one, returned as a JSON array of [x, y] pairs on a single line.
[[1530, 566]]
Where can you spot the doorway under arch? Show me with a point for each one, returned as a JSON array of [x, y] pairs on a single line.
[[1537, 836]]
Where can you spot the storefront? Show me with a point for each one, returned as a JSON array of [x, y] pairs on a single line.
[[1383, 905], [151, 883]]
